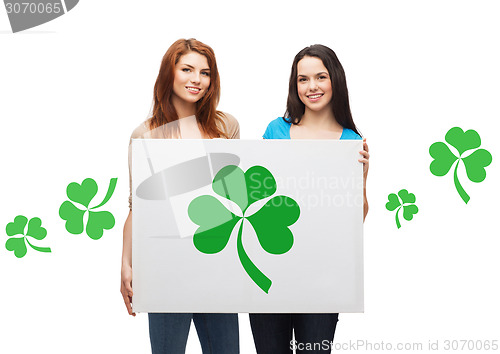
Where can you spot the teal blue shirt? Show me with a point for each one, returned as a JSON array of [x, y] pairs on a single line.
[[280, 129]]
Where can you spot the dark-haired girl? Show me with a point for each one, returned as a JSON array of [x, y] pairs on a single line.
[[317, 108]]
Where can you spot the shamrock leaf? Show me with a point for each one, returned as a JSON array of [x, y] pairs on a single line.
[[474, 164], [215, 227], [393, 202], [409, 211], [35, 229], [406, 197], [99, 221], [17, 227], [461, 140], [260, 184], [73, 217], [83, 193], [17, 245], [270, 222], [244, 188], [406, 201], [443, 159], [229, 183]]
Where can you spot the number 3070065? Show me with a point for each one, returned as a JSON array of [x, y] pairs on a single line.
[[33, 8]]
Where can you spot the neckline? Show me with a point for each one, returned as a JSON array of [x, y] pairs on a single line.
[[290, 137]]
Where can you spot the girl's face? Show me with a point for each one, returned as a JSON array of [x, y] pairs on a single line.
[[192, 77], [313, 84]]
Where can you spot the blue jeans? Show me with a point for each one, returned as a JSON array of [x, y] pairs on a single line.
[[272, 333], [218, 332]]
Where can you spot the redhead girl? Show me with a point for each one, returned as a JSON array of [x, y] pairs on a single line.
[[317, 108], [186, 94]]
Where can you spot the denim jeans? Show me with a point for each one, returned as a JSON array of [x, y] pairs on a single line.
[[272, 333], [218, 332]]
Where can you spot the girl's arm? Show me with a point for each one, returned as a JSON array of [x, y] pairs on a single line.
[[366, 163], [126, 277], [126, 282]]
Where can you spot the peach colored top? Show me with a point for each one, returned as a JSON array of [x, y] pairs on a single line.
[[143, 132]]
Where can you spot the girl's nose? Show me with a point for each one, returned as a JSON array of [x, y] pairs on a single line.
[[195, 78], [313, 85]]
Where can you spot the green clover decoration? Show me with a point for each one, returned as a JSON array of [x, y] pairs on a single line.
[[406, 201], [98, 221], [270, 222], [474, 163], [18, 244]]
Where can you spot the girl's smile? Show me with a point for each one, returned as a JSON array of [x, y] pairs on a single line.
[[193, 90], [315, 97]]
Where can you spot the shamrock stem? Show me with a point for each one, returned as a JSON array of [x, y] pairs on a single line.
[[458, 186], [257, 276], [39, 249], [111, 189], [398, 224]]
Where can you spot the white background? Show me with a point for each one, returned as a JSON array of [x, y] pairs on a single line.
[[73, 90]]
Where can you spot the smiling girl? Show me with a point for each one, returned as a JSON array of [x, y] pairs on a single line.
[[186, 94], [317, 108]]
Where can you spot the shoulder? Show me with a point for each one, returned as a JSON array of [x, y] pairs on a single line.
[[230, 121], [279, 123], [141, 131], [232, 127], [277, 129], [349, 134]]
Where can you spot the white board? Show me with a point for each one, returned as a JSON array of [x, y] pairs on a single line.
[[315, 266]]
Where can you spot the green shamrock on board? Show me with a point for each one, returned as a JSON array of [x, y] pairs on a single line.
[[18, 244], [406, 201], [270, 222], [474, 163], [83, 194]]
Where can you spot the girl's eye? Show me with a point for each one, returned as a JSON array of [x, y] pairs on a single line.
[[302, 79], [205, 73], [186, 70], [323, 77]]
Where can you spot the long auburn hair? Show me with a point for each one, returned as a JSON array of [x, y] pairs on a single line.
[[206, 114], [340, 101]]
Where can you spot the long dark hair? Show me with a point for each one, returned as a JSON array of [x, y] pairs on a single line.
[[340, 101]]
